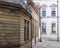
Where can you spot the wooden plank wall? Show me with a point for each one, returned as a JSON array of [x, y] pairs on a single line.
[[9, 28], [12, 28], [24, 44]]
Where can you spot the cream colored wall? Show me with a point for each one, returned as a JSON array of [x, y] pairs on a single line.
[[36, 24], [34, 14]]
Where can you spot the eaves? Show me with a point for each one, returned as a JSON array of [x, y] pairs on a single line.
[[9, 5]]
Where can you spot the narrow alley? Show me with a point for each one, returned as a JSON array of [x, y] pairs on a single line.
[[24, 23], [47, 44]]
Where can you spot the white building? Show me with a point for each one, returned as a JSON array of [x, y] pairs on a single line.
[[50, 24]]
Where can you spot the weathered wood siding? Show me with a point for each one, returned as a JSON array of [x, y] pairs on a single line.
[[12, 28], [9, 27], [25, 44]]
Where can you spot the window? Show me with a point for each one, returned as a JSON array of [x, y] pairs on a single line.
[[43, 27], [26, 30], [53, 12], [43, 12], [53, 28]]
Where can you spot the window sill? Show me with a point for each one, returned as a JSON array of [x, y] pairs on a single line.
[[44, 33], [53, 33]]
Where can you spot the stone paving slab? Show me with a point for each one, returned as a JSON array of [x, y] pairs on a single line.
[[47, 44]]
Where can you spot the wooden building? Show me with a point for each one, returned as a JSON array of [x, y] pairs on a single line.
[[35, 21], [17, 23]]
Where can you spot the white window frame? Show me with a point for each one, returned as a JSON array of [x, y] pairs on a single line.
[[53, 28], [53, 9], [43, 25], [43, 11]]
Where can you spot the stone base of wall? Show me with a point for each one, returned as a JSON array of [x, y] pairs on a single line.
[[26, 45]]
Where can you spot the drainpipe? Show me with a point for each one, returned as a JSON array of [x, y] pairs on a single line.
[[57, 23]]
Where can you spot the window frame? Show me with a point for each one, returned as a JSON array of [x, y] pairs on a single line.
[[53, 12], [44, 11], [26, 30], [53, 28], [43, 28]]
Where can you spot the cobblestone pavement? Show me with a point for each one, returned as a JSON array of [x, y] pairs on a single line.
[[47, 44]]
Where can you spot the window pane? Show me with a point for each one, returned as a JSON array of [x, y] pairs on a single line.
[[53, 12], [43, 11], [27, 30], [43, 27], [53, 28]]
